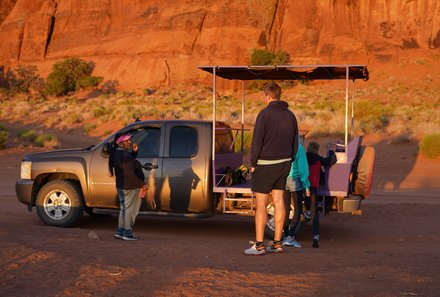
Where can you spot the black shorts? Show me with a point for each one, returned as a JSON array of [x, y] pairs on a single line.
[[266, 178]]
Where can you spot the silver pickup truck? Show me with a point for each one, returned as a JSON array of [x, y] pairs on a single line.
[[176, 158]]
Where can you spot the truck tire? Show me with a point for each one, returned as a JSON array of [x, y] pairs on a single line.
[[60, 203], [363, 175]]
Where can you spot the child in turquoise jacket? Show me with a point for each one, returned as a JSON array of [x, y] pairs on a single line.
[[297, 184]]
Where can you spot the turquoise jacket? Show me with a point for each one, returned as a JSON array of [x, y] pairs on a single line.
[[298, 178]]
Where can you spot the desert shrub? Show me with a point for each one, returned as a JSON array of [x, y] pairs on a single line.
[[46, 140], [88, 82], [3, 137], [110, 87], [42, 140], [89, 127], [71, 75], [28, 135], [264, 57], [430, 146], [74, 118], [100, 111], [372, 117], [21, 80], [27, 78]]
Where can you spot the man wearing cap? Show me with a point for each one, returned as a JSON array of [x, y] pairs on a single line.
[[130, 184]]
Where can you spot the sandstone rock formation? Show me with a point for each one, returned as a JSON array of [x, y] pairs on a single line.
[[151, 42]]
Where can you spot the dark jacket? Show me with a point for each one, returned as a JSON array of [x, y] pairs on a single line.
[[315, 161], [275, 134], [128, 171]]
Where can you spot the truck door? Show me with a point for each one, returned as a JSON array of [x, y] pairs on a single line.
[[185, 168], [150, 146]]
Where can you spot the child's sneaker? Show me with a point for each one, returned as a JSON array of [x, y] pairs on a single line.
[[316, 241], [287, 239], [290, 241], [308, 215], [118, 236], [275, 247], [255, 250]]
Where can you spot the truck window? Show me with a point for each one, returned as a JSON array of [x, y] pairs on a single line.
[[148, 141], [183, 141]]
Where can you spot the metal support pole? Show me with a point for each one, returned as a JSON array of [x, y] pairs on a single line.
[[214, 92], [352, 110], [242, 116], [347, 73]]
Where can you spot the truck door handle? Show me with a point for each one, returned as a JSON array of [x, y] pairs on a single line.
[[149, 166]]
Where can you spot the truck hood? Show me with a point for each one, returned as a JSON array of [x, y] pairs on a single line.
[[58, 153]]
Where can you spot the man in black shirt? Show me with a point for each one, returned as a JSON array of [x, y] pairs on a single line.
[[274, 146]]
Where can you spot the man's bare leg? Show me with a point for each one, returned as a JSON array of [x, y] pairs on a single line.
[[260, 215], [280, 212]]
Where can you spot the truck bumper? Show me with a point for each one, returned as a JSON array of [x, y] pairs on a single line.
[[23, 189]]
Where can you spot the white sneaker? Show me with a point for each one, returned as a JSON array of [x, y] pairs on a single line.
[[290, 241], [308, 215], [253, 250]]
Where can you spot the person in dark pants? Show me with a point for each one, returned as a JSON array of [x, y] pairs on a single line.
[[274, 146], [130, 184], [315, 162], [297, 183]]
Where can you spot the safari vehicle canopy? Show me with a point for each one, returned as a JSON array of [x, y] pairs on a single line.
[[342, 176]]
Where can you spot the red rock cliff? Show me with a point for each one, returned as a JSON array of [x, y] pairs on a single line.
[[143, 43]]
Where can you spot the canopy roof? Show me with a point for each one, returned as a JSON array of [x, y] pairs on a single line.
[[289, 72]]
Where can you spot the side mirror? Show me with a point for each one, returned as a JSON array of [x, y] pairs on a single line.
[[105, 151]]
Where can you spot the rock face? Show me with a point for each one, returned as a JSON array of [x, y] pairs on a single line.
[[145, 43]]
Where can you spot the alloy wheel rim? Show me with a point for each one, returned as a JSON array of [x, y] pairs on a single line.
[[57, 204]]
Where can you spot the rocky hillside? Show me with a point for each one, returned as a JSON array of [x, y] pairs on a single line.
[[146, 43]]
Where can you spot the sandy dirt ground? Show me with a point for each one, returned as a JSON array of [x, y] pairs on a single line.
[[392, 249]]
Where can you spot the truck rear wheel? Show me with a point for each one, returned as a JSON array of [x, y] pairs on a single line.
[[363, 176], [60, 203]]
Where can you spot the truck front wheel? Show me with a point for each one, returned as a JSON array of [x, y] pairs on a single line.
[[60, 203]]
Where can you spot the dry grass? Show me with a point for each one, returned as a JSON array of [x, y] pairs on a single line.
[[400, 108]]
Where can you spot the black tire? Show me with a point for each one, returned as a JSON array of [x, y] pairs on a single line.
[[60, 203], [363, 175]]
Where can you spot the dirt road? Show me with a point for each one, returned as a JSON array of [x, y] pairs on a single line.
[[393, 249]]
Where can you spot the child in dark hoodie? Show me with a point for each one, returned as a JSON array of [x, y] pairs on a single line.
[[315, 162]]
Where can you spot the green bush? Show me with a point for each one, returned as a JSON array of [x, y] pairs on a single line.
[[88, 82], [3, 137], [46, 140], [264, 57], [430, 146], [28, 79], [70, 75], [28, 135]]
